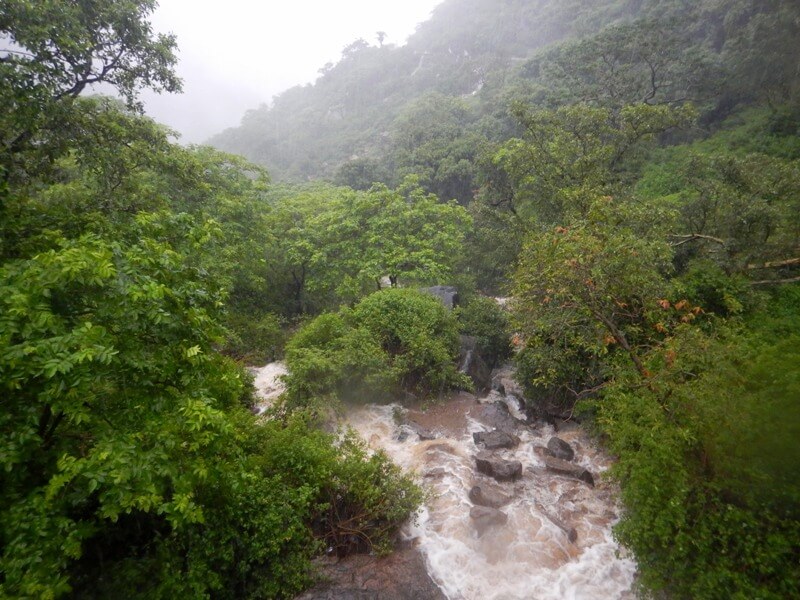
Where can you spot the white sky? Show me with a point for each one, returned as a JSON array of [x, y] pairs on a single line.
[[237, 54]]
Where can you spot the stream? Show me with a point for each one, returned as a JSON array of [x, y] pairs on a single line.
[[531, 555]]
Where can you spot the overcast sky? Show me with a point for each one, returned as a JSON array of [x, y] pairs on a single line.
[[237, 54]]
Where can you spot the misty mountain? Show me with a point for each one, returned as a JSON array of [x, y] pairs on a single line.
[[366, 117]]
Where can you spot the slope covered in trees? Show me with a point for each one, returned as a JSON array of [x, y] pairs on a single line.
[[628, 170], [632, 173]]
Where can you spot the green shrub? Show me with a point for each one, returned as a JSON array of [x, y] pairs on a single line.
[[708, 458], [391, 341], [286, 494]]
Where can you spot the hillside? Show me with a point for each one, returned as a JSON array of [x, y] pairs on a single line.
[[458, 74], [350, 111], [627, 173]]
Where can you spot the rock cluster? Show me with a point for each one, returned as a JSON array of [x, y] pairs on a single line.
[[497, 472]]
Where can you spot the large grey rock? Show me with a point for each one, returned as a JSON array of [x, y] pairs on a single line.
[[497, 416], [564, 467], [472, 364], [484, 517], [483, 495], [494, 440], [498, 468], [560, 449], [447, 294]]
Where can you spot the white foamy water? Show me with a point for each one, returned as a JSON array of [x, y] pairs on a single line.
[[529, 557], [268, 384]]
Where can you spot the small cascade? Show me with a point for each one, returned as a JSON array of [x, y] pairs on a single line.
[[268, 381], [556, 542]]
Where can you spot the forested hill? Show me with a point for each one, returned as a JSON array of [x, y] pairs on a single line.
[[628, 172], [384, 111], [356, 106]]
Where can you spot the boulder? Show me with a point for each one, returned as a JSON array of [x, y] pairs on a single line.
[[493, 440], [485, 496], [497, 416], [560, 449], [484, 517], [447, 294], [564, 467], [499, 468], [471, 363]]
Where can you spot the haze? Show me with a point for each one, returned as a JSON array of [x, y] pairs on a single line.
[[238, 54]]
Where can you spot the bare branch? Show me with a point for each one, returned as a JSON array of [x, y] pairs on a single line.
[[776, 281], [694, 236], [776, 264]]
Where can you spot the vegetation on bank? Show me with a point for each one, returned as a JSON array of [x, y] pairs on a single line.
[[632, 178], [130, 465]]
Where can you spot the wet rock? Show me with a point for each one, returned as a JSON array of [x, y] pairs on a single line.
[[400, 576], [560, 449], [517, 400], [570, 532], [564, 467], [485, 496], [447, 294], [493, 440], [497, 416], [435, 473], [484, 517], [423, 433], [503, 381], [472, 364], [402, 434], [498, 468]]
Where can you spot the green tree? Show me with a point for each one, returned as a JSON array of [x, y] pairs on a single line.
[[337, 244], [571, 156], [392, 341], [585, 293], [647, 61], [55, 50]]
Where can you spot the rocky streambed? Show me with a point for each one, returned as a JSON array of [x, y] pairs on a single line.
[[515, 509]]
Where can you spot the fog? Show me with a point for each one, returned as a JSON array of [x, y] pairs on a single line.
[[238, 54]]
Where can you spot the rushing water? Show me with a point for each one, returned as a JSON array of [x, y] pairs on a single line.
[[268, 383], [529, 557]]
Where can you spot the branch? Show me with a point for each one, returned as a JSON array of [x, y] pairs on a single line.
[[776, 264], [775, 281], [694, 236]]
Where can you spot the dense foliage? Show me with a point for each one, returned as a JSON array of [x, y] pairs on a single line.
[[129, 463], [392, 341], [628, 169]]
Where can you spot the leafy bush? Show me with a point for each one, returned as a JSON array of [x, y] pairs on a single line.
[[286, 493], [707, 460], [254, 339], [391, 341], [483, 318]]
